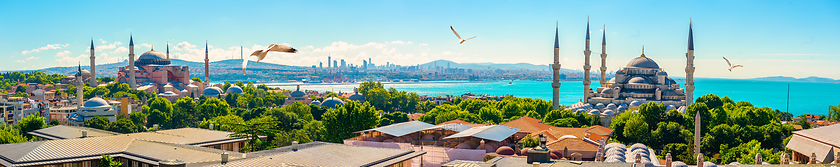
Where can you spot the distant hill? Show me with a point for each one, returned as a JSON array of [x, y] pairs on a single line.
[[792, 79], [517, 66], [225, 68]]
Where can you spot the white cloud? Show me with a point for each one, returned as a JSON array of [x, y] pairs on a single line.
[[121, 49], [107, 47], [48, 47], [102, 40], [63, 53]]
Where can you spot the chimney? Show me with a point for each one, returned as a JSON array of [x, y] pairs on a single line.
[[837, 157], [758, 159], [813, 158], [784, 158], [155, 127], [211, 127], [639, 159], [668, 160], [700, 159], [294, 145], [540, 153], [84, 133], [536, 164], [225, 156]]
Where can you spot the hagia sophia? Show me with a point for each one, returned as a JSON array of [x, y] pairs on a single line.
[[640, 81]]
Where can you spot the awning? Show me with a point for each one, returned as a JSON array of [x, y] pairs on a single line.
[[401, 129], [825, 153], [491, 132]]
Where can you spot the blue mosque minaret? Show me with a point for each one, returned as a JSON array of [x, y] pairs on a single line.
[[555, 85], [92, 66], [586, 66]]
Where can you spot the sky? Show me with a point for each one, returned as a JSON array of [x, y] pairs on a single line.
[[769, 38]]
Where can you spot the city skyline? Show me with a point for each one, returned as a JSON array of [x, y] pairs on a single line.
[[761, 36]]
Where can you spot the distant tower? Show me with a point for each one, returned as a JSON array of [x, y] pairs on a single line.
[[241, 53], [555, 101], [689, 68], [206, 64], [329, 59], [79, 87], [92, 66], [697, 132], [131, 82], [604, 59], [586, 66], [167, 50]]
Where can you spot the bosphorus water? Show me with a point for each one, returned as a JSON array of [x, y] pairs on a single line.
[[805, 97]]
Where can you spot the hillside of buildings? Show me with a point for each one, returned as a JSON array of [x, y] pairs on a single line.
[[806, 79]]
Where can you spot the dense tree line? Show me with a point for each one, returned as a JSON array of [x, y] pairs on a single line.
[[731, 129]]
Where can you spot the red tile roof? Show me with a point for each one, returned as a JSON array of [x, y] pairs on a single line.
[[458, 121]]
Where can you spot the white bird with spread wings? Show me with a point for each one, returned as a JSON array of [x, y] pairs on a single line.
[[260, 54], [459, 36], [730, 64]]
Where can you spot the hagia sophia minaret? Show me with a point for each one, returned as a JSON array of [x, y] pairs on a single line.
[[586, 66], [689, 68], [604, 59], [92, 66], [555, 102], [79, 87], [131, 81], [206, 65]]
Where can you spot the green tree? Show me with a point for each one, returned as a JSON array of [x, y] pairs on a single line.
[[157, 117], [303, 111], [833, 113], [364, 87], [184, 113], [31, 123], [54, 122], [161, 104], [530, 141], [653, 113], [565, 122], [317, 111], [745, 153], [252, 129], [98, 122], [341, 122], [213, 107], [11, 134], [379, 98], [196, 79], [666, 133], [711, 100], [107, 161], [681, 152], [314, 130], [490, 115], [636, 130], [223, 123], [122, 126], [139, 119], [512, 109]]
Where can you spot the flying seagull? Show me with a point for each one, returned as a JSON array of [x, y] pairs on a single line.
[[459, 36], [260, 54], [730, 64]]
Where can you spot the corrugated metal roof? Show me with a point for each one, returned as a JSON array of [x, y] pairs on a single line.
[[453, 127], [328, 154], [807, 146], [69, 132], [491, 132], [188, 136], [827, 134], [401, 129]]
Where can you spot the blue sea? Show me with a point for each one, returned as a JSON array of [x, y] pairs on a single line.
[[805, 97]]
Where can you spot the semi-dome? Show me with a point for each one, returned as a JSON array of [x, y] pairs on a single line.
[[600, 105], [152, 57], [642, 62], [670, 107], [235, 89], [638, 80], [168, 93], [84, 72], [212, 92], [606, 91], [612, 80], [298, 93], [635, 103], [96, 102], [315, 102], [611, 106], [331, 102]]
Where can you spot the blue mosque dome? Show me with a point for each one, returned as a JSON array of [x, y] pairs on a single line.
[[212, 92], [235, 89], [96, 102], [315, 102], [332, 102], [152, 58], [599, 105], [642, 62], [611, 106]]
